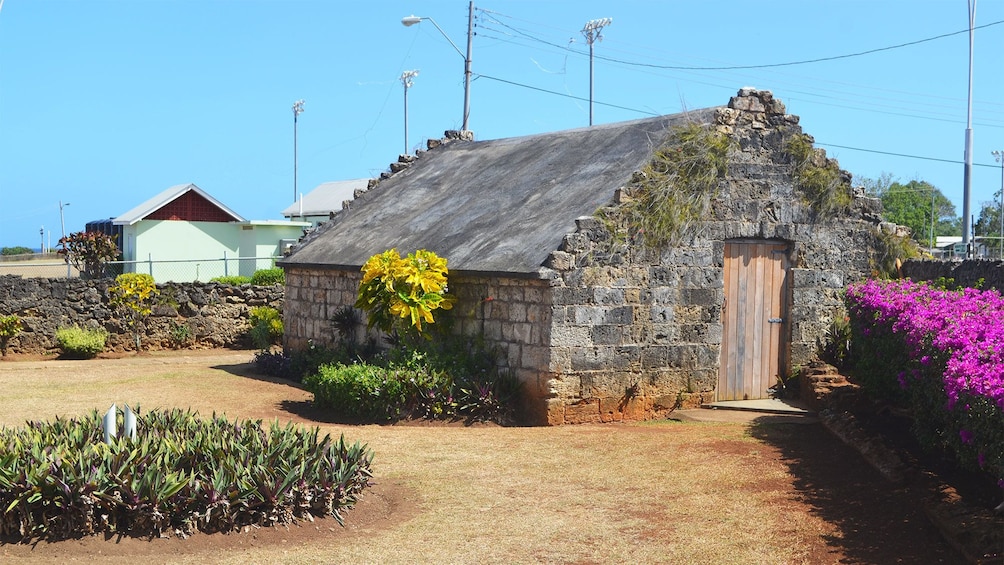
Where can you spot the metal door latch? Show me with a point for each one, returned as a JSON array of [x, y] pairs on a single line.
[[775, 320]]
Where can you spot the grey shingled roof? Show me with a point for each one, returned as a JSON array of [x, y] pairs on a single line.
[[498, 206], [325, 198]]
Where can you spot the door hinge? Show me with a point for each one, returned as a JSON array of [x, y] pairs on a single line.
[[775, 320]]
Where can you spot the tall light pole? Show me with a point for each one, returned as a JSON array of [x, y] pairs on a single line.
[[62, 231], [593, 30], [407, 79], [62, 226], [999, 157], [297, 110], [967, 177], [412, 20]]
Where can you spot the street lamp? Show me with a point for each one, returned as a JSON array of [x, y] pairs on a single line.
[[297, 110], [407, 79], [593, 30], [62, 231], [62, 226], [409, 21], [999, 157]]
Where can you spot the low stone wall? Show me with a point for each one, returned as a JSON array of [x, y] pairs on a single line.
[[215, 315], [966, 273]]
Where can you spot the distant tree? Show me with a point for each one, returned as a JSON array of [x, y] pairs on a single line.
[[16, 250], [89, 252], [914, 205], [988, 225]]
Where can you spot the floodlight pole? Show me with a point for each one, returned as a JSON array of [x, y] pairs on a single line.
[[408, 21], [407, 79], [968, 175], [297, 110], [593, 30]]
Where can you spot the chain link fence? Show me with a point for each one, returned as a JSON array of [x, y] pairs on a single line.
[[176, 270]]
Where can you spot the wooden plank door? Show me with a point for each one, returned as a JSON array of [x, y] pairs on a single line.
[[754, 319]]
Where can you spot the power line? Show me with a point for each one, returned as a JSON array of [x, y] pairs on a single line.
[[742, 67], [920, 157], [648, 112]]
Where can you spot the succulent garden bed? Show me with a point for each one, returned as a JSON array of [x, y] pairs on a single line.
[[179, 474]]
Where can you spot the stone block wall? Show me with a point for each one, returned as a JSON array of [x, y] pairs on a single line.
[[635, 331], [216, 315], [513, 315], [313, 297]]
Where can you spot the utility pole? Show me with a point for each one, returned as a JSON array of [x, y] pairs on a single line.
[[593, 30], [968, 175]]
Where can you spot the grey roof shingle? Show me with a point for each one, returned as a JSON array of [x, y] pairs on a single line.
[[497, 206]]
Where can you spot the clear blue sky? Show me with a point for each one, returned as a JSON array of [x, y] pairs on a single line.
[[103, 104]]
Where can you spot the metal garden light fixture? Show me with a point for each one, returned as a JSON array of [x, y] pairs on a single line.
[[593, 30], [297, 110], [412, 20], [407, 79]]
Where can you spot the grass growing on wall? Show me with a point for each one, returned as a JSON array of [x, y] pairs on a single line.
[[823, 186], [674, 190]]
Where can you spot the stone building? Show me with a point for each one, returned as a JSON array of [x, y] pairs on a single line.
[[601, 319]]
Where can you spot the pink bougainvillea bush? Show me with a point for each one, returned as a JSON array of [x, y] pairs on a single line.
[[940, 351]]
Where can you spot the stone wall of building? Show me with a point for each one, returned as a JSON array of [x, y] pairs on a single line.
[[635, 331], [215, 315], [313, 298], [512, 314]]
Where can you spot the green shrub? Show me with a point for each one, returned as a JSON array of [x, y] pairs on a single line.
[[180, 335], [269, 277], [235, 280], [181, 474], [81, 343], [16, 250], [10, 327], [455, 378], [360, 391], [266, 326]]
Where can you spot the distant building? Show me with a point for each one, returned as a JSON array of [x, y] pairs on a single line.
[[327, 198], [184, 234]]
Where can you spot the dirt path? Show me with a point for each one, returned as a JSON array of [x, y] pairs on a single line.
[[734, 492]]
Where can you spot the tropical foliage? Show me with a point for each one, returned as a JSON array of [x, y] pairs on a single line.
[[400, 294], [89, 252], [266, 326], [941, 352], [180, 474], [134, 292], [10, 327]]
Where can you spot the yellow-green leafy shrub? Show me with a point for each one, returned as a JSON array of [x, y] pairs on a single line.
[[402, 293], [81, 343]]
